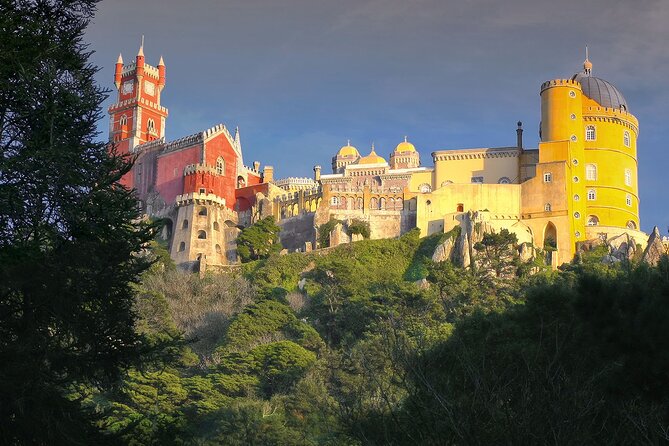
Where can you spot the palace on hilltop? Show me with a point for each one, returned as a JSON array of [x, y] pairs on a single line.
[[579, 184]]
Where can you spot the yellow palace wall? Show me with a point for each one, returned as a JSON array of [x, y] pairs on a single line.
[[459, 166]]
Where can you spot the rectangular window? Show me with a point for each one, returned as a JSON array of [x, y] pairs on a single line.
[[592, 194], [628, 200], [548, 177], [477, 179]]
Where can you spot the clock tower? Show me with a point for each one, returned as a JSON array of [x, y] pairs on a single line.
[[137, 116]]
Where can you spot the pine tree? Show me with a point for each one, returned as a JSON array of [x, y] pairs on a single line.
[[69, 234]]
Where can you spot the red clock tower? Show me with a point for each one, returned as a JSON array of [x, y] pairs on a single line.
[[137, 116]]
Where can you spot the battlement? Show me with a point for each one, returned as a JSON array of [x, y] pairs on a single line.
[[148, 145], [198, 198], [133, 101], [609, 113], [199, 168], [252, 170], [149, 70], [301, 181], [560, 83]]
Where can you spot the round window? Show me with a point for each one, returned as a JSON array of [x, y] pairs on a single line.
[[575, 179], [572, 93], [573, 116], [577, 215]]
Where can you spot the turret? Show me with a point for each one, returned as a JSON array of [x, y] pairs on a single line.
[[161, 74], [118, 70], [139, 60], [317, 173]]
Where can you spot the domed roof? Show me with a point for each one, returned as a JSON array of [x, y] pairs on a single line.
[[348, 150], [405, 146], [599, 90], [372, 158]]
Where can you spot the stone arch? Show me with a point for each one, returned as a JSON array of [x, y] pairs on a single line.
[[241, 182], [229, 223], [202, 235], [550, 236], [382, 203], [184, 225], [631, 224], [182, 246], [374, 203], [218, 249], [202, 211], [216, 227]]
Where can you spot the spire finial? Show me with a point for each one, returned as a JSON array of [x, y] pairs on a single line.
[[141, 48], [405, 138], [348, 142], [372, 147], [120, 59], [161, 62], [587, 65]]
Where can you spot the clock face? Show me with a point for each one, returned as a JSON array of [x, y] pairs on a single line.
[[149, 87], [127, 87]]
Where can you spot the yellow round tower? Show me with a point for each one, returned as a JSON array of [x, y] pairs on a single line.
[[610, 133]]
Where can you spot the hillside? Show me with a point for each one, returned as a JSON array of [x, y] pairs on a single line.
[[350, 347]]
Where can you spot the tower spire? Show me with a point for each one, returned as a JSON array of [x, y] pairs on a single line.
[[587, 65]]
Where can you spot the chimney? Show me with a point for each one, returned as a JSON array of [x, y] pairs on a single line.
[[268, 174], [519, 135], [256, 166], [118, 70], [317, 172]]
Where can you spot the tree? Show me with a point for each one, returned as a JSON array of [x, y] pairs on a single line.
[[259, 240], [69, 233], [498, 256], [358, 227]]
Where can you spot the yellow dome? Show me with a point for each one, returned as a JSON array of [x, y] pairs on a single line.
[[348, 150], [405, 146], [372, 158]]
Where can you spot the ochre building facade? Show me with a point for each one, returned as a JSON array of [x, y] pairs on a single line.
[[579, 184]]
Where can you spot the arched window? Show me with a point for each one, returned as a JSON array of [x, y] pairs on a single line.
[[590, 133], [201, 235], [460, 207], [590, 172], [425, 188], [504, 180], [593, 220], [628, 177], [123, 121], [202, 211], [218, 249], [627, 139], [382, 203], [592, 194], [334, 201], [547, 207], [631, 225], [182, 246], [151, 126], [216, 227], [220, 166], [548, 177], [241, 182], [374, 203], [359, 203], [184, 225]]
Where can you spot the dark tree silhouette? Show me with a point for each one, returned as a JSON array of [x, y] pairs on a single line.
[[69, 234]]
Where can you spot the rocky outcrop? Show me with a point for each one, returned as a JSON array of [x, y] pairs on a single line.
[[444, 251], [655, 248], [526, 252], [622, 247]]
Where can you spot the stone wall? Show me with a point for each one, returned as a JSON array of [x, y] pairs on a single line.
[[297, 231]]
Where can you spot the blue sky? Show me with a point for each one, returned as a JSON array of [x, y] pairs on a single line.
[[300, 77]]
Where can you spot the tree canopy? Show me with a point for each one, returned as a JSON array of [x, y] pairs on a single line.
[[69, 234]]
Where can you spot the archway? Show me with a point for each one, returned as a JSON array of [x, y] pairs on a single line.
[[550, 237]]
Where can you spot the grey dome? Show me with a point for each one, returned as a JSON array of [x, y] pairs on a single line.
[[601, 91]]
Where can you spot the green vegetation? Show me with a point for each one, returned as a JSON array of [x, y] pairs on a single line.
[[324, 231], [342, 348], [259, 240], [69, 234], [358, 227]]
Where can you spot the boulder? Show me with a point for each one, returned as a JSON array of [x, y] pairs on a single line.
[[622, 247], [655, 248], [526, 252], [444, 250]]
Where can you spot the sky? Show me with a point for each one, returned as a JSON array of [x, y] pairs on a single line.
[[301, 77]]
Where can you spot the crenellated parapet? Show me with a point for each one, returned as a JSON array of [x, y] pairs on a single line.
[[193, 169], [561, 83], [199, 198]]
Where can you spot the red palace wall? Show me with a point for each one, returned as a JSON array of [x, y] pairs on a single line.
[[168, 183]]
